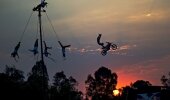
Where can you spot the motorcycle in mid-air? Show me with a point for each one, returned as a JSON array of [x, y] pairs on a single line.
[[107, 47]]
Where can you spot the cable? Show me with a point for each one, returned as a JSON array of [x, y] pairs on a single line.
[[37, 57], [37, 30], [43, 35], [52, 27], [25, 27], [76, 39]]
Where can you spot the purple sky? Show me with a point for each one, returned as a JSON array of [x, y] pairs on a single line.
[[140, 28]]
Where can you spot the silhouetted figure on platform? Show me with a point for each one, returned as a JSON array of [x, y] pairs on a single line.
[[42, 5], [63, 48], [35, 49], [46, 53], [15, 52], [106, 47]]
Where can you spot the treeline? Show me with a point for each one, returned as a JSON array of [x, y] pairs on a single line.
[[36, 87], [99, 86]]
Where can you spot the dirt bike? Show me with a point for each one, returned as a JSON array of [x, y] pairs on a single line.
[[107, 48]]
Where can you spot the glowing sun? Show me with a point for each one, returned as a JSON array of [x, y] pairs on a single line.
[[116, 92]]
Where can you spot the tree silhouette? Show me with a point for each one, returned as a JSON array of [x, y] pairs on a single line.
[[37, 83], [166, 80], [11, 82], [141, 84], [128, 93], [14, 74], [13, 86], [102, 85], [64, 88]]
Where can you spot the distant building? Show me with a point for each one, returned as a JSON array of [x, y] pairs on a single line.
[[147, 93]]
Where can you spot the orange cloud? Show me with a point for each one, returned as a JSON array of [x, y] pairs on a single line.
[[122, 50], [125, 79], [127, 47], [151, 70], [150, 16], [124, 47]]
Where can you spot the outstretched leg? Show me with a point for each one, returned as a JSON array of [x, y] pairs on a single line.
[[64, 54]]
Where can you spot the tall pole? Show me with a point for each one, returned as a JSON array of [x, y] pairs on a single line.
[[40, 27], [39, 9]]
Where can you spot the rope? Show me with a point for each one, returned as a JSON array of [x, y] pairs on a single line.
[[37, 57], [37, 30], [52, 27], [56, 33], [43, 34], [52, 59], [26, 27]]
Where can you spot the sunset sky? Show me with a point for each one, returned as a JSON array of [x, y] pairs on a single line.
[[140, 28]]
